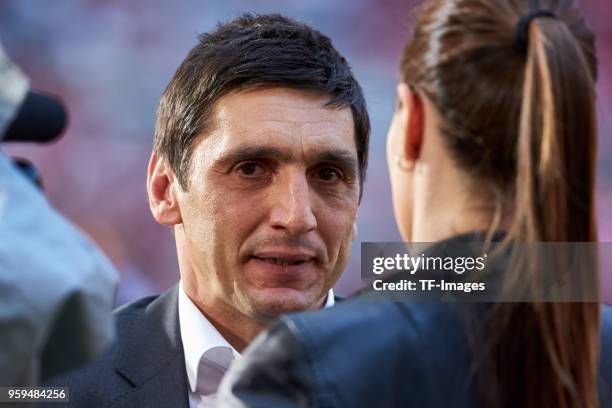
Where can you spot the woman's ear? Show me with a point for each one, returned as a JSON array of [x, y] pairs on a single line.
[[415, 121], [161, 189]]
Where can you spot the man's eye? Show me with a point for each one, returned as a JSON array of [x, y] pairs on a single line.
[[328, 174], [250, 169]]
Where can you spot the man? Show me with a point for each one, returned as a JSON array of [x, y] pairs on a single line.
[[258, 164]]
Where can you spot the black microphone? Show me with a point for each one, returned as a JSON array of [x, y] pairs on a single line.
[[41, 118]]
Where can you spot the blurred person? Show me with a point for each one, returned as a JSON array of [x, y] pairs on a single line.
[[494, 135], [56, 288], [258, 163]]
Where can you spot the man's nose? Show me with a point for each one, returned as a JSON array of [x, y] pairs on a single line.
[[291, 204]]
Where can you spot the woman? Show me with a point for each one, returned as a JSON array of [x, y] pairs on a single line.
[[494, 131]]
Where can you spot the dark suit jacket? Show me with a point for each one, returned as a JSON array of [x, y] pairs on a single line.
[[146, 365], [144, 368]]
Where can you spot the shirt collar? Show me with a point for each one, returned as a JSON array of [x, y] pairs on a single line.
[[199, 335], [331, 300]]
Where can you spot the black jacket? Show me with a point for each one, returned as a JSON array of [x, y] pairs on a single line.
[[144, 368], [370, 353]]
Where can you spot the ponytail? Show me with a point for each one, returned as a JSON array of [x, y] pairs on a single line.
[[554, 202]]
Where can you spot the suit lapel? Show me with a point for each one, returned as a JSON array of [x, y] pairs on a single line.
[[152, 358]]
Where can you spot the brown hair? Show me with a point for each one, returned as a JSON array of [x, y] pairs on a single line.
[[521, 123]]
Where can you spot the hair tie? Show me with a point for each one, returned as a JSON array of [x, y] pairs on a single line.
[[522, 27]]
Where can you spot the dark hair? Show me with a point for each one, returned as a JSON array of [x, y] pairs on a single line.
[[253, 51], [521, 124]]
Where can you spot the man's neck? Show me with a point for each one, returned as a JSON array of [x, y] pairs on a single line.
[[242, 329], [235, 327], [240, 332], [238, 329]]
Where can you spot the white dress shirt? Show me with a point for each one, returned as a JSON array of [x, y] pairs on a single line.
[[208, 354]]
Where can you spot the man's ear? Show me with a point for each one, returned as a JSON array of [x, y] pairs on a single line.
[[161, 187], [412, 102]]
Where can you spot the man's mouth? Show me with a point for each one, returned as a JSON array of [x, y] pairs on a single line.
[[281, 261], [284, 257], [282, 268]]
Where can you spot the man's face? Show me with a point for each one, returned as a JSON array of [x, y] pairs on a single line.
[[267, 220]]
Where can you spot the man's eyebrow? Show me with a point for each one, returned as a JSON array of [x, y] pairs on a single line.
[[341, 157], [240, 154]]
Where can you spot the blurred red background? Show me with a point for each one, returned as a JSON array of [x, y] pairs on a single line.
[[110, 61]]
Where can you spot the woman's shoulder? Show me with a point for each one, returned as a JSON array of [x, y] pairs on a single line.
[[386, 334], [362, 317], [403, 350]]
